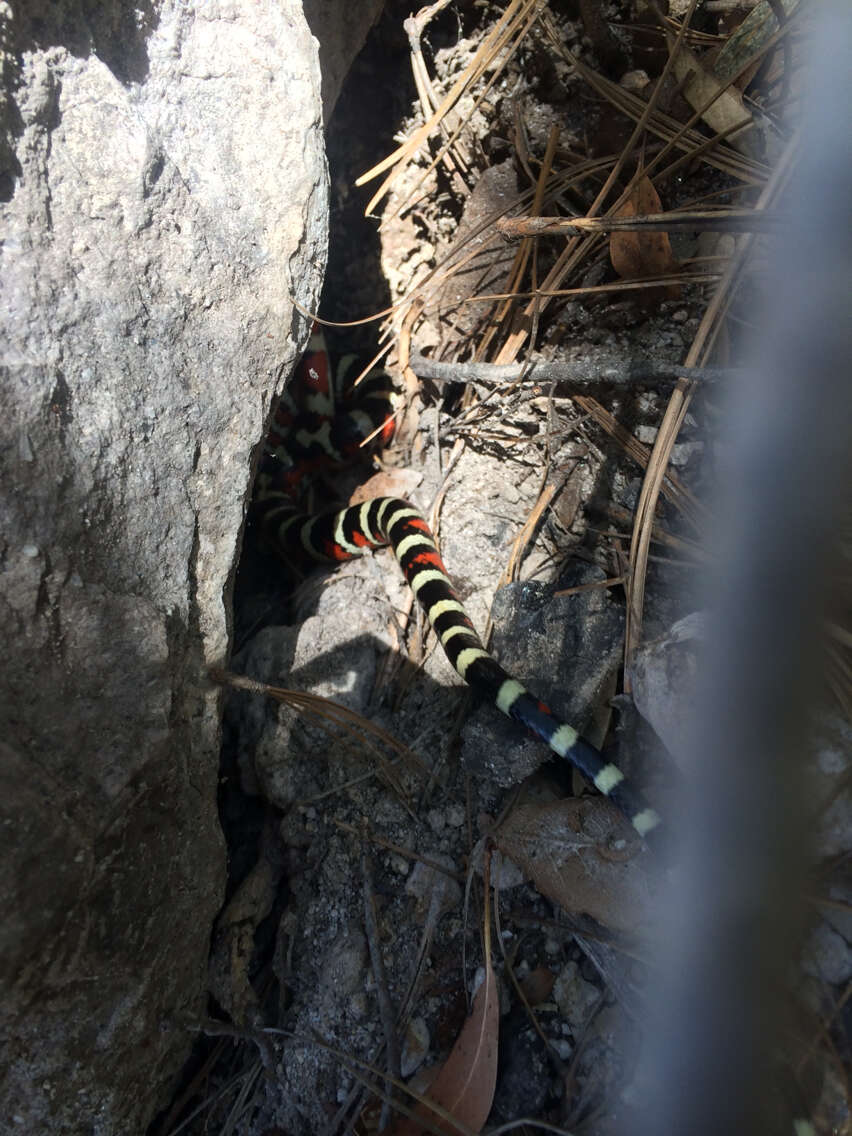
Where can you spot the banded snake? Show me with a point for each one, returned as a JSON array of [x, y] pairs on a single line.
[[308, 435]]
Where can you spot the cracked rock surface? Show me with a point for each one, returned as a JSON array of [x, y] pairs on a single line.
[[163, 187]]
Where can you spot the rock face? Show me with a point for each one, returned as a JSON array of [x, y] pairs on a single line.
[[163, 187], [341, 29]]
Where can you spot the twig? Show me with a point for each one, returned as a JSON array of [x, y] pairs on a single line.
[[401, 850], [510, 572], [266, 1049], [709, 220], [593, 585], [595, 371], [659, 535], [673, 487]]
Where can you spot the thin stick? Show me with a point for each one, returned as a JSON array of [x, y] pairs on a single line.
[[709, 220], [589, 371]]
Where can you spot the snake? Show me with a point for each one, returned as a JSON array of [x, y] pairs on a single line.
[[310, 432]]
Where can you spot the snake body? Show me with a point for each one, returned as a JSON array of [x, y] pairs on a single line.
[[391, 521]]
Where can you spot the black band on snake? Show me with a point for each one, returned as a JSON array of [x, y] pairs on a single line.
[[351, 532]]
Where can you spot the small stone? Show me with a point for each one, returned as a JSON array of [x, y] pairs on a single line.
[[646, 434], [574, 996], [683, 452], [429, 885], [398, 864], [358, 1005], [506, 874], [415, 1046], [455, 816], [635, 81], [827, 955], [436, 820]]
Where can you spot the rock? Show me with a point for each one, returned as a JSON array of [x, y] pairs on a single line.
[[415, 1046], [164, 194], [664, 678], [278, 748], [565, 649], [575, 997], [435, 892], [341, 30], [487, 270]]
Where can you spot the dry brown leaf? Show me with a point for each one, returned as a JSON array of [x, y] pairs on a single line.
[[464, 1086], [387, 483], [637, 254], [582, 854]]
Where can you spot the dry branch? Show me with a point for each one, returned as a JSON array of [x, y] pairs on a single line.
[[707, 220], [609, 370]]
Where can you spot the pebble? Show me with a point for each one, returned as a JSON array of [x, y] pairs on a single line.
[[827, 955], [574, 996], [415, 1046]]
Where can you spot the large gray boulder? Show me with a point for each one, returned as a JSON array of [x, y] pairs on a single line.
[[163, 190]]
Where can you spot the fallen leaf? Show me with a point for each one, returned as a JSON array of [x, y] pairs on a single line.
[[464, 1086], [637, 254], [582, 854], [387, 483]]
